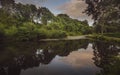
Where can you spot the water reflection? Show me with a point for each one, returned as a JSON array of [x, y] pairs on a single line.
[[106, 56], [77, 57], [17, 56]]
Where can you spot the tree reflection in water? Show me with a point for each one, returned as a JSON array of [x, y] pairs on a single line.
[[20, 56], [15, 57], [106, 56]]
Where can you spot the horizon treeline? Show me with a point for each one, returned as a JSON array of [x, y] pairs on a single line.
[[27, 22]]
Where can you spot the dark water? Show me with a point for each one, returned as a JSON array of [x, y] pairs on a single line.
[[78, 57]]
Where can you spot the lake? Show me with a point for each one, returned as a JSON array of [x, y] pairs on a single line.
[[70, 57]]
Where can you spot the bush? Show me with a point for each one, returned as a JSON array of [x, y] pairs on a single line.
[[74, 33], [42, 33], [27, 31], [11, 31], [57, 34], [2, 28]]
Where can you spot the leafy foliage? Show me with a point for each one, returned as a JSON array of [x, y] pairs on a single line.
[[27, 22], [106, 14]]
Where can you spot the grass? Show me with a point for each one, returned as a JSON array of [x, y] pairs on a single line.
[[104, 38], [112, 34]]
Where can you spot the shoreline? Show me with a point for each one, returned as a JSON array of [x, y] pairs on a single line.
[[67, 38]]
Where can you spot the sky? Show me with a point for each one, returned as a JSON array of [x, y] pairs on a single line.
[[73, 8]]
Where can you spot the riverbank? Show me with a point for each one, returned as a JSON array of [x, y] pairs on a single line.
[[104, 38], [67, 38]]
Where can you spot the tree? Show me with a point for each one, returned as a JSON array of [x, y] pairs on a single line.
[[104, 12], [46, 15], [85, 22], [7, 3], [26, 11]]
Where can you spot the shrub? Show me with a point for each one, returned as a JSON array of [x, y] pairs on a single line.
[[27, 31], [11, 31], [57, 34], [42, 33]]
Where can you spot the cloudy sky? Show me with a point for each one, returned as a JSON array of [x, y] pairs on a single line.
[[73, 8]]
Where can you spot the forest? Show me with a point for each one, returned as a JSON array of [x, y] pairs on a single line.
[[27, 22], [34, 40], [106, 15]]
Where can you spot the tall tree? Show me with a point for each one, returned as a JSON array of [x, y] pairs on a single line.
[[46, 15], [104, 12], [5, 3], [26, 11]]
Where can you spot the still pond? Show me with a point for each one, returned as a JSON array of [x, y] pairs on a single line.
[[71, 57]]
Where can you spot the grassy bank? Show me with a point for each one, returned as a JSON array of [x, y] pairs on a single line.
[[104, 38], [117, 35]]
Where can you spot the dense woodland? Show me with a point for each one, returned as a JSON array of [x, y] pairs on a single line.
[[106, 14], [27, 22]]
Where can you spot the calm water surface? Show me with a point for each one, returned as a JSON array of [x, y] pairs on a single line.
[[78, 57]]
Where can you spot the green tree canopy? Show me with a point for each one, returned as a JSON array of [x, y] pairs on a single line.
[[106, 14]]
